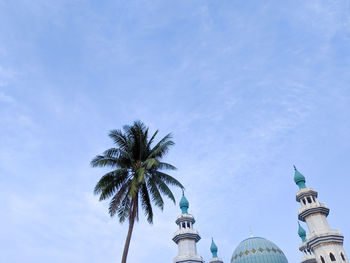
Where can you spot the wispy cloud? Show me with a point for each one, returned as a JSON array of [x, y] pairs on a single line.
[[248, 89]]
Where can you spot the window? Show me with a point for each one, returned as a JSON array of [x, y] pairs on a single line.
[[322, 260], [304, 202], [184, 225], [188, 224], [342, 256], [332, 256], [314, 199], [309, 200]]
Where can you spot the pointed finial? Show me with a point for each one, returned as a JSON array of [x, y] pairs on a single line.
[[251, 234], [299, 179], [301, 232], [184, 204], [214, 249]]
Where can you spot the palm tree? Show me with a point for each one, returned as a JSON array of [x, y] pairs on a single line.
[[137, 175]]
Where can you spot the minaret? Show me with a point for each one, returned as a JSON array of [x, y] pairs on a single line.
[[323, 242], [186, 237], [214, 252], [308, 256]]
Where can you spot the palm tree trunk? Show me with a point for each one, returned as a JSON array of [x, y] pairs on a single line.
[[128, 237]]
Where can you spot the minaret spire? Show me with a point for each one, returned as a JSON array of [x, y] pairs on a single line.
[[323, 244], [251, 234], [214, 252], [299, 179], [184, 204], [214, 249], [301, 233], [186, 237]]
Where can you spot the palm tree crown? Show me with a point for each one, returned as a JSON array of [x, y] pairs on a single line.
[[138, 174]]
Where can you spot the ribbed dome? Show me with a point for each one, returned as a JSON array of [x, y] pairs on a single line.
[[258, 250]]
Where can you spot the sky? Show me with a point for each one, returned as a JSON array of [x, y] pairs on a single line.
[[248, 89]]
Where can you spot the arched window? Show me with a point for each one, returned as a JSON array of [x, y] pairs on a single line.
[[342, 256], [322, 260], [332, 256]]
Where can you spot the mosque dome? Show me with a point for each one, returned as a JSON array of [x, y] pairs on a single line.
[[258, 250]]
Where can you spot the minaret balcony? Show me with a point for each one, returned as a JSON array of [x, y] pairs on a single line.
[[303, 247], [312, 208], [305, 192], [216, 260], [186, 258], [308, 259], [331, 236], [185, 218], [186, 233]]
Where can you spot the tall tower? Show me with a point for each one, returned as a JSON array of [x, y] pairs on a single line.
[[308, 255], [186, 237], [214, 252], [324, 243]]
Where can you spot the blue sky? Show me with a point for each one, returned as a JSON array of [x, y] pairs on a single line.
[[248, 89]]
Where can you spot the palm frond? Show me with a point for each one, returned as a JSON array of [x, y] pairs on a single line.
[[152, 139], [123, 209], [133, 187], [162, 147], [137, 177], [168, 179], [164, 189], [116, 200], [112, 153], [146, 203], [156, 196], [102, 161], [110, 183], [119, 138], [140, 175], [166, 166], [150, 163]]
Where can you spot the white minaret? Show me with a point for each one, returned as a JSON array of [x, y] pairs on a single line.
[[186, 236], [323, 243], [308, 255]]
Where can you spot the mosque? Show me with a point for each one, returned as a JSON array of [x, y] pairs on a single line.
[[321, 245]]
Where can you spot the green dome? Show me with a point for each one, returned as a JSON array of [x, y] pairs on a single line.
[[214, 249], [299, 179], [184, 204], [258, 250], [302, 233]]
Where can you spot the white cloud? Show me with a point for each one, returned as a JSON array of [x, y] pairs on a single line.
[[5, 98]]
